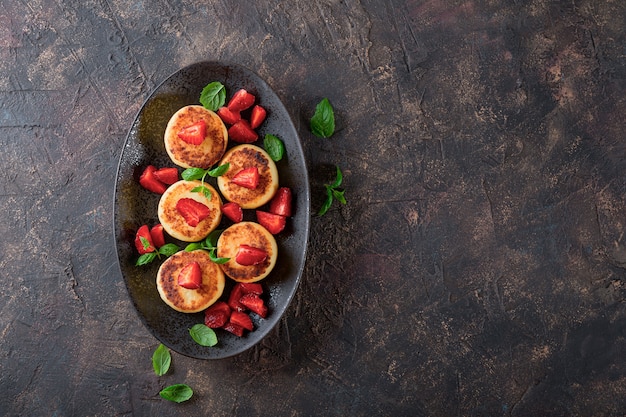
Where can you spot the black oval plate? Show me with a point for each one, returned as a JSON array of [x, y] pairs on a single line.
[[135, 206]]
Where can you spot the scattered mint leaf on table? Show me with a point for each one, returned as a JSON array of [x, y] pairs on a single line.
[[323, 121], [333, 192], [177, 393], [161, 360]]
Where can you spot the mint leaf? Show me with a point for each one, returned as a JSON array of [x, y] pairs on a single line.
[[211, 240], [333, 193], [274, 147], [214, 258], [203, 335], [161, 360], [338, 179], [146, 258], [219, 171], [193, 246], [168, 249], [202, 189], [191, 174], [176, 393], [327, 203], [323, 121], [213, 96]]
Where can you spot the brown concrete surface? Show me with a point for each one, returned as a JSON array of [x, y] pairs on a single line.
[[479, 268]]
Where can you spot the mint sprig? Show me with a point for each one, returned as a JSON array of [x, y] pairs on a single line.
[[209, 244], [166, 250], [191, 174], [333, 192]]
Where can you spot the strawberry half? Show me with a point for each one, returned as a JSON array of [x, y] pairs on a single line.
[[249, 255], [228, 116], [217, 315], [166, 175], [193, 134], [274, 223], [233, 300], [257, 116], [242, 132], [143, 240], [251, 287], [240, 101], [241, 319], [281, 202], [233, 328], [247, 177], [255, 304], [150, 182], [157, 235], [190, 276], [233, 211], [192, 211]]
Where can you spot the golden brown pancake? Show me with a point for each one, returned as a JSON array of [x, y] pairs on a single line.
[[174, 223], [251, 234], [209, 151], [183, 299]]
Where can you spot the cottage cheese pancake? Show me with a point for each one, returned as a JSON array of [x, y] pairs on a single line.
[[250, 234], [246, 156], [203, 155], [190, 300], [172, 212]]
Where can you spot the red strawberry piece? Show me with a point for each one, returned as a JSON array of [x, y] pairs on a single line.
[[217, 315], [274, 223], [240, 101], [166, 175], [235, 329], [251, 287], [257, 116], [241, 319], [157, 235], [242, 132], [233, 300], [143, 240], [247, 177], [190, 276], [150, 182], [228, 116], [249, 255], [193, 134], [254, 303], [193, 211], [233, 211], [281, 202]]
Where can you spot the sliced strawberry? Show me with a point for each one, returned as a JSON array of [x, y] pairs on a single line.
[[240, 101], [274, 223], [143, 240], [249, 255], [281, 202], [193, 211], [217, 315], [166, 175], [251, 287], [247, 177], [228, 116], [254, 303], [233, 300], [150, 182], [241, 319], [193, 134], [157, 235], [257, 116], [233, 211], [242, 132], [233, 328], [190, 276]]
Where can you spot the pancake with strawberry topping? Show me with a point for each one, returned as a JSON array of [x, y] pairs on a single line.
[[252, 251], [189, 215], [195, 137], [210, 286], [252, 178]]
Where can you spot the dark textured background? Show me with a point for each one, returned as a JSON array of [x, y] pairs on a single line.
[[478, 269]]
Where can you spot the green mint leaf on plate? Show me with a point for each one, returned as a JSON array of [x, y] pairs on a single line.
[[177, 393], [145, 259], [323, 121], [203, 335], [191, 174], [211, 240], [193, 246], [220, 170], [202, 189], [168, 249], [215, 259], [144, 242], [213, 96], [274, 146], [161, 360]]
